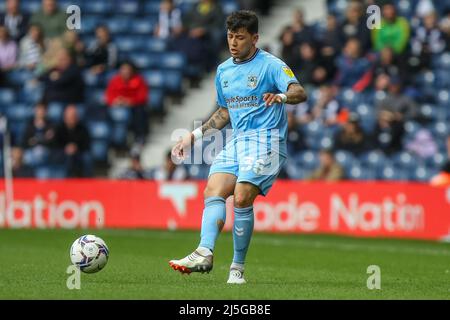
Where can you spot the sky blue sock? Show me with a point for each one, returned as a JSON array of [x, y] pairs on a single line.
[[242, 232], [213, 221]]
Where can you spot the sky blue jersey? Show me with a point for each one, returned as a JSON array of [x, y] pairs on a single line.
[[240, 88]]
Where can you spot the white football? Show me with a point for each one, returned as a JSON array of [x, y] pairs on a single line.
[[89, 253]]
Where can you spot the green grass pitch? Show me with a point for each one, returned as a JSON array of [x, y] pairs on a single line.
[[33, 265]]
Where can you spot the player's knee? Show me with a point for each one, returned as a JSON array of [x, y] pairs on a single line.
[[242, 200], [211, 192]]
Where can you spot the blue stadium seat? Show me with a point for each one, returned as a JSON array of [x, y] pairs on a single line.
[[118, 24], [437, 161], [18, 77], [120, 114], [440, 129], [156, 99], [443, 98], [345, 159], [99, 130], [99, 150], [99, 7], [51, 172], [154, 78], [430, 112], [152, 7], [307, 159], [390, 172], [89, 23], [172, 60], [37, 156], [127, 43], [423, 174], [373, 159], [229, 6], [143, 26], [155, 45], [55, 111], [30, 6], [19, 112], [96, 97], [130, 7], [442, 61], [404, 160], [7, 96], [119, 134], [442, 79], [173, 81], [146, 60], [358, 172]]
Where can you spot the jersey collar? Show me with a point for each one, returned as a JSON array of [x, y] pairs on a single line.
[[247, 60]]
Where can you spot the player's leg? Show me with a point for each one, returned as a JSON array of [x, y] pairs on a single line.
[[245, 194], [219, 187]]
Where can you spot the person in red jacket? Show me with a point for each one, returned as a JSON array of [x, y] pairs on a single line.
[[129, 89]]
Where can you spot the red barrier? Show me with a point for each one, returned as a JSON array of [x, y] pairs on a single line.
[[361, 209]]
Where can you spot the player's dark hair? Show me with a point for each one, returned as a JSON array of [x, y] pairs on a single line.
[[243, 19]]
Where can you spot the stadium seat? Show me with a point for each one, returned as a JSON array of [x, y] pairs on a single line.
[[19, 112], [156, 99], [172, 60], [437, 161], [373, 159], [155, 45], [99, 7], [154, 78], [120, 114], [7, 96], [307, 160], [55, 111], [145, 60], [50, 172], [30, 6], [99, 150], [152, 7], [390, 172], [118, 24], [423, 174], [345, 159], [173, 81], [37, 156], [130, 7], [143, 26], [127, 43], [443, 98], [99, 130], [404, 160], [357, 172], [96, 97]]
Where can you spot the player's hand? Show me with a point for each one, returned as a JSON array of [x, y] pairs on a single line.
[[181, 149], [271, 98]]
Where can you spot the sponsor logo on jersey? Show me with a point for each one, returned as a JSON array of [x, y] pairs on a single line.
[[288, 71]]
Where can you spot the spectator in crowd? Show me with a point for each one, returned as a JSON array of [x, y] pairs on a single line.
[[39, 131], [288, 53], [444, 26], [169, 21], [427, 40], [423, 144], [102, 54], [15, 21], [51, 19], [306, 65], [295, 141], [302, 32], [402, 106], [330, 45], [443, 177], [76, 47], [388, 133], [354, 70], [63, 83], [128, 89], [327, 109], [351, 137], [388, 66], [19, 169], [203, 36], [354, 26], [31, 48], [328, 170], [169, 170], [8, 51], [73, 139], [394, 31], [135, 171]]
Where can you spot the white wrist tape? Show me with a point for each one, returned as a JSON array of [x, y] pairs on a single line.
[[283, 97], [198, 134]]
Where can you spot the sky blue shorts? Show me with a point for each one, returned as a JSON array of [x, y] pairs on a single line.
[[250, 161]]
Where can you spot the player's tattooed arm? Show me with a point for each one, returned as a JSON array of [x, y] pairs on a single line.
[[218, 120], [295, 94]]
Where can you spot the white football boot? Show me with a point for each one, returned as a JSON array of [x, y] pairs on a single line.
[[236, 277], [201, 260]]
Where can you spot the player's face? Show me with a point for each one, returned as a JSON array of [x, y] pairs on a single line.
[[240, 43]]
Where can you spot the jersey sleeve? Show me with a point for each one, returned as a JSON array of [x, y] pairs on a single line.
[[282, 76], [220, 98]]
